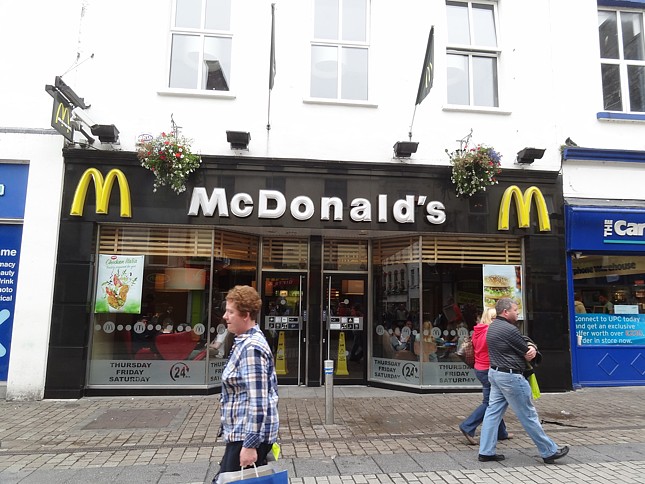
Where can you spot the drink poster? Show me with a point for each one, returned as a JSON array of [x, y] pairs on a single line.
[[503, 281], [119, 284]]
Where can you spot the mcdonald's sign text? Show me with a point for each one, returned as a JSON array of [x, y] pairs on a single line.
[[103, 189], [523, 203]]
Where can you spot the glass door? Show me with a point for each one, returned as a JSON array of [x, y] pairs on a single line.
[[283, 318], [345, 306]]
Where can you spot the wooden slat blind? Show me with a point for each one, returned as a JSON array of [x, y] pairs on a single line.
[[471, 250], [176, 241], [448, 250], [285, 252], [345, 254]]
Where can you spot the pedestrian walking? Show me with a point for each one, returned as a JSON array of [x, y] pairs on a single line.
[[482, 364], [249, 399], [509, 352]]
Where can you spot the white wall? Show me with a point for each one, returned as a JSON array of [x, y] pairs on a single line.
[[550, 89], [33, 52]]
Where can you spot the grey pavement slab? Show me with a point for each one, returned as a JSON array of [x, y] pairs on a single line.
[[315, 467], [396, 463]]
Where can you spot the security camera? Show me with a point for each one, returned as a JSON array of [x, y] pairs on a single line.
[[577, 255]]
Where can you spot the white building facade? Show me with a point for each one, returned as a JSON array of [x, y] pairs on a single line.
[[318, 212]]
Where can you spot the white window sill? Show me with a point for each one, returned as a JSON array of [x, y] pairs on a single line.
[[474, 109], [196, 93], [339, 102]]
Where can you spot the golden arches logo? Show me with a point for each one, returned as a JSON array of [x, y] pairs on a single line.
[[62, 116], [523, 207], [103, 189]]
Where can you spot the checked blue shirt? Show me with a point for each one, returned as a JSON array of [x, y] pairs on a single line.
[[249, 400]]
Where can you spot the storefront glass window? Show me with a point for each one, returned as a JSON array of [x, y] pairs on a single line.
[[158, 304], [609, 299], [428, 297]]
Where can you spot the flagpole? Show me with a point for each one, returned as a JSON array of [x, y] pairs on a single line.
[[412, 123], [271, 66], [269, 113]]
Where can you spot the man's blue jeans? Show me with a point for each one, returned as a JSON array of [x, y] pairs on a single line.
[[477, 417], [512, 389]]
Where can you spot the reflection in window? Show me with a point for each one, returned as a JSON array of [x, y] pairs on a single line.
[[201, 45], [180, 323], [339, 51], [472, 54], [622, 53], [609, 285]]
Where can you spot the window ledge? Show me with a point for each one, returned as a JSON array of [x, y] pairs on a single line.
[[196, 93], [339, 102], [607, 116], [474, 109]]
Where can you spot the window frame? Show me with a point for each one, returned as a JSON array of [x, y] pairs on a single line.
[[622, 63], [472, 50], [341, 44], [203, 34]]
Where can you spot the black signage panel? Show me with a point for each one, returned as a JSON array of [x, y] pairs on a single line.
[[343, 323], [62, 116], [282, 323]]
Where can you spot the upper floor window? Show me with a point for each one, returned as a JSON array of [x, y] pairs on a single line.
[[200, 56], [472, 54], [339, 50], [622, 60]]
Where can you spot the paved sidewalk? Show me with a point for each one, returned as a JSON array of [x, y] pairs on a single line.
[[379, 436]]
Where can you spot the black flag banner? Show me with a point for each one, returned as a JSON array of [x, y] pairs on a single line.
[[425, 83], [272, 59]]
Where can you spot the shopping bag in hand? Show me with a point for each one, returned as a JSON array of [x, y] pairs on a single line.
[[266, 474], [535, 389], [466, 352]]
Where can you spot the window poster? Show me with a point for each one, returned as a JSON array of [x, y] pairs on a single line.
[[10, 240], [119, 284], [503, 281]]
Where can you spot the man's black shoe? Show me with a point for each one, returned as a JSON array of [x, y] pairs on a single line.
[[494, 458], [559, 454]]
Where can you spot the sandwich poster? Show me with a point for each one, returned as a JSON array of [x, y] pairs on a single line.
[[119, 284], [503, 281]]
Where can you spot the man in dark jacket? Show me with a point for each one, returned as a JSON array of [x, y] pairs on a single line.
[[509, 351]]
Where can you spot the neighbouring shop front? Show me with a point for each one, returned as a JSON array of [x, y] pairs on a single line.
[[378, 267], [605, 244]]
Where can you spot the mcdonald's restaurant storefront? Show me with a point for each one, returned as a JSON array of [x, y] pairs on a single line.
[[378, 267]]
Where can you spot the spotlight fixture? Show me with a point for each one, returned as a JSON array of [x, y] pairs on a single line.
[[239, 139], [404, 149], [529, 155], [107, 133]]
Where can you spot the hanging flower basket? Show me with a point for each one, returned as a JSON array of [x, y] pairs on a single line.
[[474, 169], [169, 157]]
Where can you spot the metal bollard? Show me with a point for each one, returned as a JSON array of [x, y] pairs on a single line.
[[329, 392]]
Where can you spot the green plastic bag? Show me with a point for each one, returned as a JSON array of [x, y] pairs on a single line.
[[275, 450], [535, 389]]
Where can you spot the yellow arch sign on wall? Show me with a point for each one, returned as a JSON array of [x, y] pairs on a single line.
[[523, 203], [103, 189]]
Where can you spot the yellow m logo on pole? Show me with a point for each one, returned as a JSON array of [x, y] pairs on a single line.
[[523, 208], [103, 189]]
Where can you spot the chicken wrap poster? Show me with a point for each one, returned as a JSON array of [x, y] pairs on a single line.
[[503, 281], [119, 284]]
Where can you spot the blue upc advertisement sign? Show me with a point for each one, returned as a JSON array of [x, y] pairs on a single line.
[[13, 190], [610, 329], [594, 228], [10, 238]]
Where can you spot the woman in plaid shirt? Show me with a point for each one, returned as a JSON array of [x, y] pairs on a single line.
[[249, 400]]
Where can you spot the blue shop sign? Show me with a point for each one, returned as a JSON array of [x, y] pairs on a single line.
[[13, 189], [599, 229], [10, 237]]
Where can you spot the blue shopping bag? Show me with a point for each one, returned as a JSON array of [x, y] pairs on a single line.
[[266, 474], [279, 477]]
